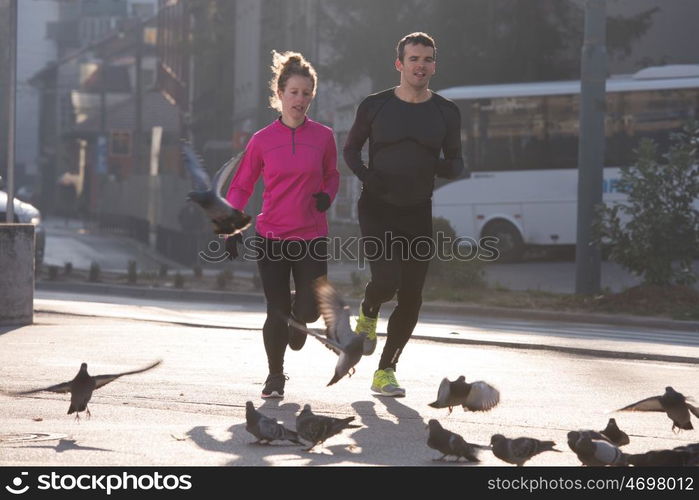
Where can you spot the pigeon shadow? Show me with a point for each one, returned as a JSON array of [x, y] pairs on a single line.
[[386, 440], [66, 445], [397, 441], [242, 444]]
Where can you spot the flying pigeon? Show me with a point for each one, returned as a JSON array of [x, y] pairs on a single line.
[[266, 429], [82, 386], [450, 443], [614, 434], [476, 396], [339, 336], [595, 452], [673, 403], [518, 451], [207, 193], [317, 428]]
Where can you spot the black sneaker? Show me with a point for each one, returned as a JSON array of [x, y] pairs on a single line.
[[297, 337], [274, 385]]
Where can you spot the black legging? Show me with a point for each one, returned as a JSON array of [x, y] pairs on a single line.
[[277, 260], [391, 274]]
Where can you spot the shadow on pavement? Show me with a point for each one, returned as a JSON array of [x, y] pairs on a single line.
[[66, 445]]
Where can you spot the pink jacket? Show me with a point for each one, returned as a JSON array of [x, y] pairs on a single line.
[[295, 164]]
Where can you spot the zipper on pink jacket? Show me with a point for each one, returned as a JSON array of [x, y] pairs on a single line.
[[293, 141]]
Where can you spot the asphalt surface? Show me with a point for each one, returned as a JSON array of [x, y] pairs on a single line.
[[190, 410], [556, 373]]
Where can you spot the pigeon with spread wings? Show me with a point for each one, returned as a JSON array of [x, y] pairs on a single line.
[[207, 193], [82, 387], [476, 396], [339, 336], [673, 403]]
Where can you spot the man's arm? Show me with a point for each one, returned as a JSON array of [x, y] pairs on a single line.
[[452, 165], [358, 134]]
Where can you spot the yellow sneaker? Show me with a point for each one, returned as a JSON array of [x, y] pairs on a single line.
[[385, 383], [367, 326]]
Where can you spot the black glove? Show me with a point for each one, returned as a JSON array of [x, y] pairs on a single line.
[[322, 201], [451, 169], [374, 183], [232, 245]]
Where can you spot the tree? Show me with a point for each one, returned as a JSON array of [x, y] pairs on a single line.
[[478, 41], [211, 41], [655, 233]]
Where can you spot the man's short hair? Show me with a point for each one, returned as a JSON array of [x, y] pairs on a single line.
[[417, 38]]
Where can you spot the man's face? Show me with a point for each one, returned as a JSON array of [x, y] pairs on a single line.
[[418, 65]]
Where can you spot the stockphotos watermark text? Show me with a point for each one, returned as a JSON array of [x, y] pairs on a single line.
[[362, 248], [101, 482]]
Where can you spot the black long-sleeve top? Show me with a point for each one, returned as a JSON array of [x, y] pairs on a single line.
[[405, 141]]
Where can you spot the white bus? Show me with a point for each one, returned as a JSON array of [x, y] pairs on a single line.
[[521, 143]]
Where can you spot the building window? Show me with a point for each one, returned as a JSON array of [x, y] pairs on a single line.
[[120, 143]]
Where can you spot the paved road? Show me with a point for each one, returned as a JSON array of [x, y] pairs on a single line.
[[607, 340], [190, 410]]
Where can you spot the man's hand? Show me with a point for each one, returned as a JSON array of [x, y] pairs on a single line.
[[231, 245], [451, 169], [322, 201]]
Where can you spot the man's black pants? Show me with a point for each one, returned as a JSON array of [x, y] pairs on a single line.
[[397, 242]]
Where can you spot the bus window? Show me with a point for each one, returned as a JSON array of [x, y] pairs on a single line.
[[508, 133], [655, 115], [562, 126]]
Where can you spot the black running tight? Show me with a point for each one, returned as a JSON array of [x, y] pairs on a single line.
[[277, 261], [397, 268]]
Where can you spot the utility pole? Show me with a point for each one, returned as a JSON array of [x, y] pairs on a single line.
[[138, 101], [591, 145], [12, 113]]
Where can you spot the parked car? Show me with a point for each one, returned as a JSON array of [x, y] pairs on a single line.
[[26, 213]]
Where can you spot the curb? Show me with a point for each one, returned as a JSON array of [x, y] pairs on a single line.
[[456, 309]]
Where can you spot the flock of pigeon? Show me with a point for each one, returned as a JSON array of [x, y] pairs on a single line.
[[593, 448]]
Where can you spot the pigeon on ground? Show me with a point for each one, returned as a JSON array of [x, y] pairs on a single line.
[[339, 336], [673, 403], [614, 434], [451, 444], [82, 386], [266, 429], [595, 452], [476, 396], [207, 193], [317, 428], [677, 457], [518, 451]]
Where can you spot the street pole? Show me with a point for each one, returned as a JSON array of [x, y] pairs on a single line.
[[138, 101], [12, 114], [591, 146]]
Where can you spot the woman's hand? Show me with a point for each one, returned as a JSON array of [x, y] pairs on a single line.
[[322, 201]]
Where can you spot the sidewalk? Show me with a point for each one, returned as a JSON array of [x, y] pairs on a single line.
[[71, 240], [222, 297]]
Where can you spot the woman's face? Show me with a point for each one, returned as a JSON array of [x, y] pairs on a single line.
[[296, 98]]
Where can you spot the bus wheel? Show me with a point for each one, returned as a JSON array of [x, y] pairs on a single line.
[[509, 245]]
